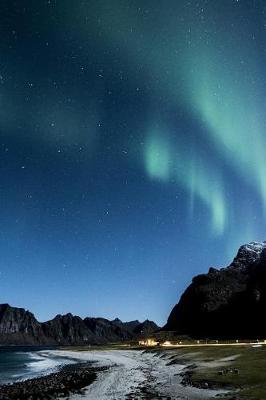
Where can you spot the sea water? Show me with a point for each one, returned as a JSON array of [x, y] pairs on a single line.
[[19, 363]]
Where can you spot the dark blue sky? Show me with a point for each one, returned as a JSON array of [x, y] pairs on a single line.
[[132, 142]]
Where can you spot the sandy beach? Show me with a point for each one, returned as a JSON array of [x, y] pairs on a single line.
[[113, 374], [134, 374]]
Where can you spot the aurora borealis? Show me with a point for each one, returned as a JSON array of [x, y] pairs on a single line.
[[133, 139]]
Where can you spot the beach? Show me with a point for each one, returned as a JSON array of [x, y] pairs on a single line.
[[134, 374], [113, 375]]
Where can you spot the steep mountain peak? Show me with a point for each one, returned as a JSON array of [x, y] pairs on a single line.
[[229, 302], [4, 305], [3, 308], [248, 254], [117, 321], [63, 316]]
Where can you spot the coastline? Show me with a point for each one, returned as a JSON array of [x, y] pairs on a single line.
[[70, 379], [111, 375]]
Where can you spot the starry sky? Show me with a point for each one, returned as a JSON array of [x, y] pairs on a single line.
[[132, 149]]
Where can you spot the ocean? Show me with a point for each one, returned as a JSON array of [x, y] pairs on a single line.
[[19, 363]]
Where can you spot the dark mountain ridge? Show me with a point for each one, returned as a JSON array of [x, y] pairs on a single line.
[[226, 303], [20, 327]]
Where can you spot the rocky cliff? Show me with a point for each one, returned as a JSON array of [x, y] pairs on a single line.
[[20, 327], [226, 303]]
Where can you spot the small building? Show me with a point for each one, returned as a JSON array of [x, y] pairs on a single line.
[[148, 342]]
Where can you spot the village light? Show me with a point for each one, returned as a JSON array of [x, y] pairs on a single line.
[[167, 343], [148, 342]]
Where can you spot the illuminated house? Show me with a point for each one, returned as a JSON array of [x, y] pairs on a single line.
[[148, 342]]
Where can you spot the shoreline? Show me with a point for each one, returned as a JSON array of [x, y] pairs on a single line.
[[69, 380], [112, 375]]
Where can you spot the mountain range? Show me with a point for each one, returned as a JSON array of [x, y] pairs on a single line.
[[223, 303], [226, 303], [20, 327]]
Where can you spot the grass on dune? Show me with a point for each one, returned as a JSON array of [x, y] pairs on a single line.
[[250, 382]]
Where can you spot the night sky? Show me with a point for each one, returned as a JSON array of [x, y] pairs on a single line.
[[132, 149]]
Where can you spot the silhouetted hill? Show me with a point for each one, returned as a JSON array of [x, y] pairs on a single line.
[[226, 303], [20, 327]]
